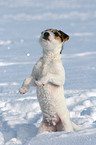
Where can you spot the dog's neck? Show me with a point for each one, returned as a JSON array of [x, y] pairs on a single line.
[[49, 56]]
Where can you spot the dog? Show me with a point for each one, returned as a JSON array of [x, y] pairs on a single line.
[[48, 76]]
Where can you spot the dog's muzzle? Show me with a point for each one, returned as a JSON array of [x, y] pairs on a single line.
[[46, 36]]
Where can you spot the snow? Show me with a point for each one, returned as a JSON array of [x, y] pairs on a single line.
[[21, 23]]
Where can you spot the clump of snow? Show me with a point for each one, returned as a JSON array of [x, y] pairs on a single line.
[[1, 139], [85, 137], [14, 141], [5, 42]]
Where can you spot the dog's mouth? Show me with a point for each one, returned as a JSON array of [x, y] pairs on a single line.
[[46, 36]]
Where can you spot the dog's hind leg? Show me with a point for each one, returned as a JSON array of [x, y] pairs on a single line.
[[46, 127], [65, 121], [64, 125]]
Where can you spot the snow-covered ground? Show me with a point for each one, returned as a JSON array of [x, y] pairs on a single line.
[[21, 22]]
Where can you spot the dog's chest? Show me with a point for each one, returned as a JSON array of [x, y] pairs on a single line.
[[47, 67]]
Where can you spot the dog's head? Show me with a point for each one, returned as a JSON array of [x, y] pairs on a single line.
[[52, 39]]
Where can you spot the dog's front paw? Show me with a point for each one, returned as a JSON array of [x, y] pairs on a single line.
[[23, 90], [42, 81], [38, 83]]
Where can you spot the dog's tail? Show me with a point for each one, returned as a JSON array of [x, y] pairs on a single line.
[[76, 127]]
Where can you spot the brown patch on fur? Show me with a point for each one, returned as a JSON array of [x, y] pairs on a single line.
[[55, 31], [64, 36], [58, 38], [49, 30], [66, 39], [61, 36]]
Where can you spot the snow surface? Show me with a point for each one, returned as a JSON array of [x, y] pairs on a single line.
[[21, 22]]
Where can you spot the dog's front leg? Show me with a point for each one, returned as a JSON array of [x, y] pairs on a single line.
[[30, 81], [42, 81], [56, 79]]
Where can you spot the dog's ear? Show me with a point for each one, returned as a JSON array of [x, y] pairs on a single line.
[[64, 37]]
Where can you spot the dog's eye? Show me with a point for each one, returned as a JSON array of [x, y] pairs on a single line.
[[56, 34]]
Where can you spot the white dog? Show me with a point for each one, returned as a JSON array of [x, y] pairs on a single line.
[[48, 76]]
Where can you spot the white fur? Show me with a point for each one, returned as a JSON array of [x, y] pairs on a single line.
[[48, 76]]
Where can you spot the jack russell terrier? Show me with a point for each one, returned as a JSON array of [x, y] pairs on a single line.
[[48, 76]]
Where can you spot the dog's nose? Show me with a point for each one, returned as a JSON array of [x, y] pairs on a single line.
[[46, 35]]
